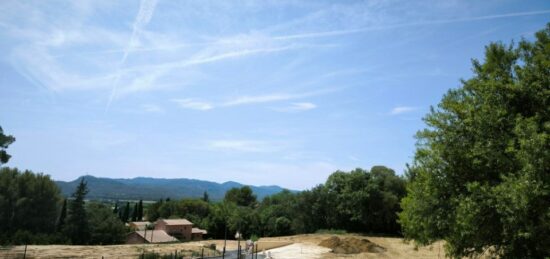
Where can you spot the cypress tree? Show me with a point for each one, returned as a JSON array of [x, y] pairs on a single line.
[[120, 212], [126, 213], [205, 197], [135, 212], [140, 210], [62, 216], [115, 210], [76, 226]]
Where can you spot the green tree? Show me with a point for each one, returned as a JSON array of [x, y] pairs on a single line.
[[205, 197], [282, 226], [76, 225], [480, 178], [140, 211], [28, 205], [218, 219], [135, 212], [126, 213], [241, 196], [5, 141], [105, 227], [153, 211], [62, 216]]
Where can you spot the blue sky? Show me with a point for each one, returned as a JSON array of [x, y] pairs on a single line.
[[260, 92]]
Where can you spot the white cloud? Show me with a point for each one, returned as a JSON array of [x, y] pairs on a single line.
[[145, 13], [402, 109], [297, 107], [254, 99], [332, 33], [46, 39], [153, 108], [240, 145], [193, 104], [260, 99]]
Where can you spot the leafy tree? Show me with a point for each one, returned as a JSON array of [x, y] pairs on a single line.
[[5, 141], [76, 225], [360, 200], [153, 211], [282, 226], [241, 196], [28, 204], [480, 176], [105, 227], [218, 219]]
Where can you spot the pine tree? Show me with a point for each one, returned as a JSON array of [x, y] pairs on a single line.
[[5, 141], [115, 210], [76, 226]]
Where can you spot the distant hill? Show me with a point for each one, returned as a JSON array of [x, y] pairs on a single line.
[[157, 188]]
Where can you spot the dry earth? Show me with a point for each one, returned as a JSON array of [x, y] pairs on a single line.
[[307, 247], [299, 246]]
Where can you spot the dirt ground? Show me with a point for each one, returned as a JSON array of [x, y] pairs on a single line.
[[299, 246], [308, 248]]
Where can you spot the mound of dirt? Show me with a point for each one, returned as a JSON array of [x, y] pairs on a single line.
[[351, 245]]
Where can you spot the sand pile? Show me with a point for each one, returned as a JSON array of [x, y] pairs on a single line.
[[351, 245]]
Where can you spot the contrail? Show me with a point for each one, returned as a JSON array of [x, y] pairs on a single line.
[[145, 13], [401, 25]]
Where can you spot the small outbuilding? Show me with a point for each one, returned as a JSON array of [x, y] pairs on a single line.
[[197, 233]]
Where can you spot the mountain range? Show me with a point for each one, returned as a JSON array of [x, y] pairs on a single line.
[[147, 188]]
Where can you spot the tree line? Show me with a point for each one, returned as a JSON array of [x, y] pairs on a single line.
[[357, 201], [32, 211]]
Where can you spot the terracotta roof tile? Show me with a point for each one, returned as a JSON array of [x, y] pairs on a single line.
[[198, 230], [177, 222], [156, 236]]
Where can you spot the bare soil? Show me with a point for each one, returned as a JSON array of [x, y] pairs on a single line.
[[393, 248], [299, 246]]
